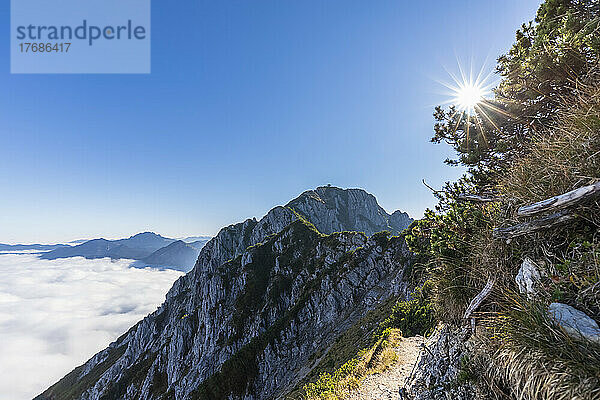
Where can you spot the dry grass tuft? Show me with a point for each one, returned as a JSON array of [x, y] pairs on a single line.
[[531, 376], [563, 157], [532, 358]]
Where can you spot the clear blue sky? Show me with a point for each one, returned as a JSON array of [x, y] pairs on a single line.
[[248, 104]]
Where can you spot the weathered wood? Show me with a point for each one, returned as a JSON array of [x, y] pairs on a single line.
[[477, 300], [561, 201], [534, 226], [475, 198]]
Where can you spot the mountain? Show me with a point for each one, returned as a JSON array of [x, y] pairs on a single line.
[[334, 210], [22, 247], [78, 241], [179, 255], [192, 239], [263, 303], [135, 247]]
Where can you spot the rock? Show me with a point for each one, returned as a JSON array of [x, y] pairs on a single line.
[[332, 209], [267, 294], [528, 277], [576, 323], [436, 373]]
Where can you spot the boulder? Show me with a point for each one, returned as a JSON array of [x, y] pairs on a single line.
[[436, 373], [575, 323], [528, 277]]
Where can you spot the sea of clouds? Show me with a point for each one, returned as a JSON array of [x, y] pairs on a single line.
[[56, 314]]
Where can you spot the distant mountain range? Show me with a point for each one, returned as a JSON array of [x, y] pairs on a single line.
[[79, 241], [148, 248], [23, 247], [135, 247], [192, 239], [179, 255], [188, 239]]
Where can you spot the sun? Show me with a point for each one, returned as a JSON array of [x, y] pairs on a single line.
[[471, 101], [468, 95], [470, 90]]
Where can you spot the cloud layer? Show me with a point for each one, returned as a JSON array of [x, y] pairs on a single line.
[[54, 315]]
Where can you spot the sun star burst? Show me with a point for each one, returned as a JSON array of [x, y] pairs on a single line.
[[468, 95], [469, 90]]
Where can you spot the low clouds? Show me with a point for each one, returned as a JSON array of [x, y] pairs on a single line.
[[54, 315]]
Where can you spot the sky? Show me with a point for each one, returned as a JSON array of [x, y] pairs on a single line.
[[248, 104]]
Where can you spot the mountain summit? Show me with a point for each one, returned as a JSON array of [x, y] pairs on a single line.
[[332, 209], [265, 300]]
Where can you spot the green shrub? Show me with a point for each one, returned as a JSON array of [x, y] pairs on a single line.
[[412, 317]]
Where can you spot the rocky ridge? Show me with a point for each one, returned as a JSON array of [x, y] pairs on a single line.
[[333, 210], [262, 299]]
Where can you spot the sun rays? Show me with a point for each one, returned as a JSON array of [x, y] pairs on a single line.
[[468, 95], [471, 95]]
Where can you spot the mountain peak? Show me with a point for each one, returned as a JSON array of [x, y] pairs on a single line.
[[145, 235], [135, 247], [333, 209]]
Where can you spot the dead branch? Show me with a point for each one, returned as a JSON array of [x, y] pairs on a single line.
[[475, 198], [432, 189], [561, 201], [534, 226], [477, 300]]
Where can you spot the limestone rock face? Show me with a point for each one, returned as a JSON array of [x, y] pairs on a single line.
[[576, 323], [332, 209], [436, 373], [263, 299]]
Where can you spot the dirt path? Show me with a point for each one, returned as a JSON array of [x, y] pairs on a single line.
[[386, 386]]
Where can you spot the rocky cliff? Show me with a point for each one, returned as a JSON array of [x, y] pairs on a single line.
[[333, 209], [264, 298]]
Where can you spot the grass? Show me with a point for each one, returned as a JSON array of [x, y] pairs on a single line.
[[536, 359], [527, 352], [376, 359], [563, 157], [368, 346]]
